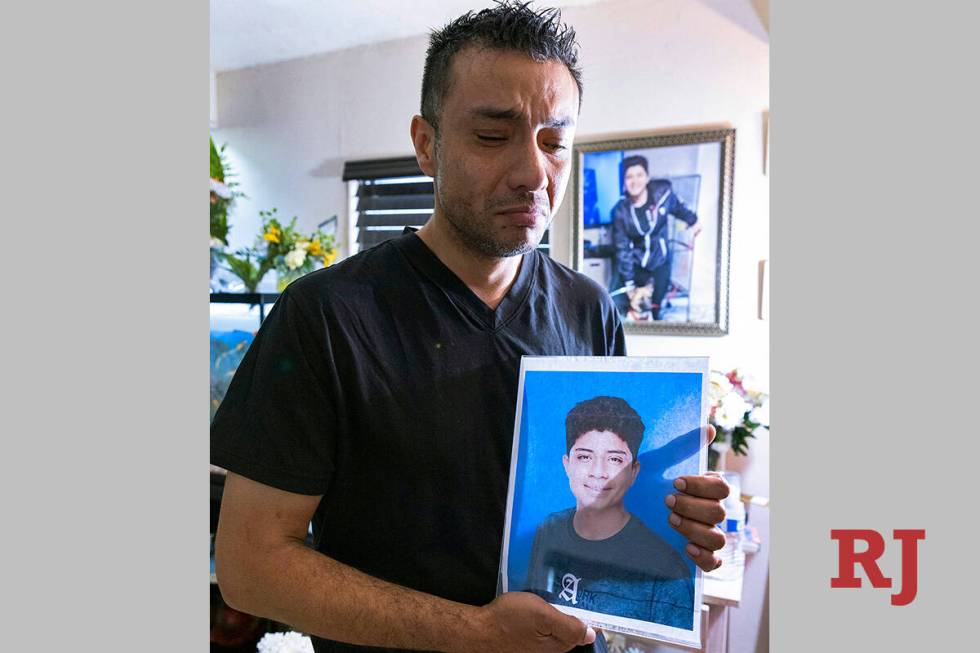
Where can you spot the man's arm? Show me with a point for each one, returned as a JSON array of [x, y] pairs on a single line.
[[264, 568]]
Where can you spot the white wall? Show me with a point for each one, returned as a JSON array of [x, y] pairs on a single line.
[[290, 127], [648, 65]]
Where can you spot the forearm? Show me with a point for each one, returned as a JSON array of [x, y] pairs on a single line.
[[317, 595]]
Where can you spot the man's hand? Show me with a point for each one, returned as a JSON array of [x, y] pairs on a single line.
[[521, 621], [696, 509]]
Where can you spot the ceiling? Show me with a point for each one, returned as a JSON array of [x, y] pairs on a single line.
[[253, 32]]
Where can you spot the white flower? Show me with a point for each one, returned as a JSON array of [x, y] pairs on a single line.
[[718, 387], [216, 243], [753, 388], [302, 244], [760, 415], [295, 258], [731, 411], [291, 642]]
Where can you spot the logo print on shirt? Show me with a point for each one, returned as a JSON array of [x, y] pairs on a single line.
[[569, 591]]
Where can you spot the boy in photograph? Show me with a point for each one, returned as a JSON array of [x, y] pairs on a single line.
[[597, 556], [640, 234]]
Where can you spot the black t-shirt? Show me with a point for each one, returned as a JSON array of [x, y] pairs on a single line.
[[386, 385]]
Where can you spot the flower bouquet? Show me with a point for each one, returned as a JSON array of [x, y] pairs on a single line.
[[284, 249], [739, 406], [294, 254]]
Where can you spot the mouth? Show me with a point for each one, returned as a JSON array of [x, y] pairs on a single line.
[[525, 215], [596, 490]]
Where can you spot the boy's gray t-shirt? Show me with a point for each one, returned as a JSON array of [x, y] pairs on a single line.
[[633, 574]]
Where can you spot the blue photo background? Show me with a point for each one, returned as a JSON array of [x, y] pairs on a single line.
[[669, 403], [601, 187]]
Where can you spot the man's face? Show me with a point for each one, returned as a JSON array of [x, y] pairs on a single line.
[[600, 470], [503, 151], [636, 179]]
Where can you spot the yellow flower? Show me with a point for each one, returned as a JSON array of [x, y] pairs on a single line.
[[328, 257], [272, 235], [314, 248]]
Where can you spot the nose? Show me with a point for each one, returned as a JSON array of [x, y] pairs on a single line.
[[528, 170], [598, 469]]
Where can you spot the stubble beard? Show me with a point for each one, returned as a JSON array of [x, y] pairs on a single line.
[[474, 228]]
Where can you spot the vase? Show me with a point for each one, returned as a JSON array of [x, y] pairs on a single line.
[[717, 453], [286, 277]]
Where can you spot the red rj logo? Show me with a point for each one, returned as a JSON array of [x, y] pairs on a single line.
[[848, 558]]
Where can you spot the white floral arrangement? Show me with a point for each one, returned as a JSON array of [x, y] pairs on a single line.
[[291, 642], [739, 406]]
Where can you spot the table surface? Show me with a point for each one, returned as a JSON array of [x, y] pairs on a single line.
[[722, 592]]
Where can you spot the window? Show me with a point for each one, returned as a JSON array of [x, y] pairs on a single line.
[[387, 195]]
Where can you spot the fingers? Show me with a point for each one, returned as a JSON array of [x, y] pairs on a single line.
[[707, 487], [705, 511], [522, 621], [711, 433], [590, 635], [566, 629], [703, 558], [695, 518], [705, 535]]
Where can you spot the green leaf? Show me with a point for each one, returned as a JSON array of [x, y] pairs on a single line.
[[216, 171]]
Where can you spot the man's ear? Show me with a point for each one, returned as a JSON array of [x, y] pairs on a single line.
[[424, 140]]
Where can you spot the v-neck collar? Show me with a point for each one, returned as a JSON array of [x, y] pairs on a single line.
[[425, 260]]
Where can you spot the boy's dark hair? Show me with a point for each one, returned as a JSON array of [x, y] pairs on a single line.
[[634, 160], [511, 25], [604, 414]]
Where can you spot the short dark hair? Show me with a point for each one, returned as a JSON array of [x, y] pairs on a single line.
[[635, 160], [604, 414], [511, 25]]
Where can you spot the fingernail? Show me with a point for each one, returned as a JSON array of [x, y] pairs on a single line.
[[670, 500], [693, 550], [680, 484], [674, 519], [589, 635]]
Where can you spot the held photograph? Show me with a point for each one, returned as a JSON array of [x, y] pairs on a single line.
[[652, 227], [597, 445]]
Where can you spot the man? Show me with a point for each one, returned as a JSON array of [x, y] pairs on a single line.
[[597, 556], [640, 237], [378, 398]]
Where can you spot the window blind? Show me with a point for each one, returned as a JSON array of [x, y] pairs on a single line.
[[392, 194]]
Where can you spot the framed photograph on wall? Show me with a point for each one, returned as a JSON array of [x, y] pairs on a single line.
[[598, 443], [653, 226]]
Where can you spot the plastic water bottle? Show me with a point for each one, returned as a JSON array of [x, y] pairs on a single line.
[[732, 556]]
